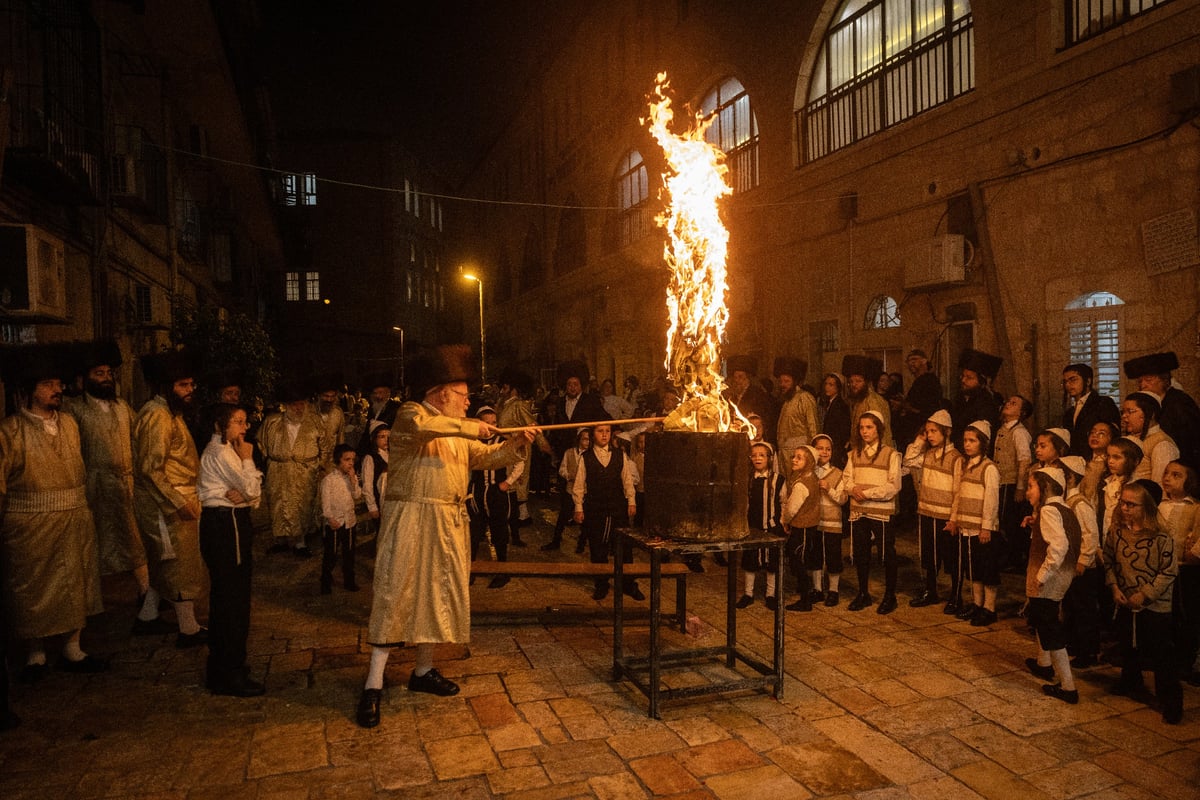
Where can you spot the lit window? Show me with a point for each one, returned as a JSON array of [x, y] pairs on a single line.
[[633, 187], [882, 313], [312, 286], [288, 188], [308, 196], [1088, 18], [734, 129], [1094, 338], [882, 62], [291, 286]]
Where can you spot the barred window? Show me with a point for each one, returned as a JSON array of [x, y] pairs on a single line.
[[734, 129], [1094, 338], [882, 62], [291, 286], [633, 187], [1088, 18], [882, 313], [312, 286]]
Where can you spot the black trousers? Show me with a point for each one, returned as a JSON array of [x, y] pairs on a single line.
[[332, 541], [1187, 615], [226, 541], [1146, 641], [495, 514], [598, 530], [864, 533], [1081, 612], [566, 509]]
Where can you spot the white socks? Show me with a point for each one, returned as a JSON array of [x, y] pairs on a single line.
[[149, 609], [1062, 667], [379, 659], [748, 581], [71, 650], [833, 582], [37, 653], [770, 584], [185, 612]]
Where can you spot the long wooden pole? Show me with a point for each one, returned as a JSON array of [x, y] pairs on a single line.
[[565, 425]]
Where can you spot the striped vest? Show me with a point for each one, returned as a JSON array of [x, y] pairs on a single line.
[[809, 514], [1148, 444], [873, 472], [831, 512], [937, 483], [1005, 453], [971, 498]]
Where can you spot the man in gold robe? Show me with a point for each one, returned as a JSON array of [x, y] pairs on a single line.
[[296, 446], [48, 569], [513, 411], [165, 468]]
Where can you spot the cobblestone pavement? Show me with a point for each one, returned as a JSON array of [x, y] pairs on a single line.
[[914, 704]]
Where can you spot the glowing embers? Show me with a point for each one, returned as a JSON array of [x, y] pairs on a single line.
[[697, 243]]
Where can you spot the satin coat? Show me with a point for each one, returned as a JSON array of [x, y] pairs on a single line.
[[106, 438], [292, 472], [48, 568], [423, 557], [517, 412]]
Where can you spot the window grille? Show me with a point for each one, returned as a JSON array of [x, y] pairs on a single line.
[[291, 286], [882, 313], [633, 188], [1094, 338], [734, 129], [1088, 18], [312, 286]]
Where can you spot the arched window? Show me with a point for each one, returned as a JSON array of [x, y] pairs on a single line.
[[882, 62], [570, 249], [734, 130], [633, 188], [882, 313], [1094, 338]]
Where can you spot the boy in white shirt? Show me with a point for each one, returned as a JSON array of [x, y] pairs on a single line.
[[340, 490]]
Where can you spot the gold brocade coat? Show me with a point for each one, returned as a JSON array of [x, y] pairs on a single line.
[[516, 413], [106, 439], [335, 432], [292, 472], [48, 569], [165, 469], [423, 558]]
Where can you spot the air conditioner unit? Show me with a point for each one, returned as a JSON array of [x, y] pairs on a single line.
[[32, 273], [944, 263]]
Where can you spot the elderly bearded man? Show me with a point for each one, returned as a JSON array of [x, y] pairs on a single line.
[[296, 446], [423, 560]]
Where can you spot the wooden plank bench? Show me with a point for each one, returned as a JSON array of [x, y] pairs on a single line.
[[586, 569]]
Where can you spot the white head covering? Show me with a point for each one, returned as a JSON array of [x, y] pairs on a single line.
[[984, 427]]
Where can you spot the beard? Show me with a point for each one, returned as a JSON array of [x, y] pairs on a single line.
[[859, 395], [179, 406], [101, 391]]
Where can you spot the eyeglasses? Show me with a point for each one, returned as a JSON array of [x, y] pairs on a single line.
[[463, 395], [1129, 504]]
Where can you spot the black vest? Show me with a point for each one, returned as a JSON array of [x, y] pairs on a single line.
[[605, 495]]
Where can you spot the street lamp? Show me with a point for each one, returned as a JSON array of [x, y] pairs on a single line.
[[482, 337], [400, 330]]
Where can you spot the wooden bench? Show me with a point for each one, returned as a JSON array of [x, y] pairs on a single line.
[[586, 569]]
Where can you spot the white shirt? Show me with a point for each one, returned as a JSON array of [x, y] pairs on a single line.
[[629, 477], [49, 424], [221, 469], [369, 480], [338, 493]]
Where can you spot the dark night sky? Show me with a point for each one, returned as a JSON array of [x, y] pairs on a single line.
[[442, 75]]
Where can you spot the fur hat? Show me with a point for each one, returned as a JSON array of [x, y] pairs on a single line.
[[572, 369], [741, 363], [787, 365], [327, 381], [1153, 364], [291, 391], [518, 380], [28, 365], [983, 427], [375, 379], [869, 368], [168, 366], [984, 364], [102, 353], [941, 417], [448, 363]]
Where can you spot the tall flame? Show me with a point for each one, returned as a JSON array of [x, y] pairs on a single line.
[[697, 243]]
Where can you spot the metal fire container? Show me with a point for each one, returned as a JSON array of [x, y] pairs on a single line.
[[697, 485]]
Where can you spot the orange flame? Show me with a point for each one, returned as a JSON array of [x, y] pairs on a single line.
[[697, 243]]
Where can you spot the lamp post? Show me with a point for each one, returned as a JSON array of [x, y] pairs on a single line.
[[400, 330], [482, 337]]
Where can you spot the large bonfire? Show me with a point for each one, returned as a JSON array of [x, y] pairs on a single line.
[[697, 243]]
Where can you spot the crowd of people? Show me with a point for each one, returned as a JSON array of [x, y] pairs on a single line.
[[1097, 511]]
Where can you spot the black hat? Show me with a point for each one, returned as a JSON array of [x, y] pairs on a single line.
[[520, 381], [290, 391], [742, 363], [448, 363], [327, 381], [168, 366], [572, 369], [1153, 364], [226, 378], [787, 365], [103, 353], [28, 365], [985, 364], [1153, 488], [869, 368]]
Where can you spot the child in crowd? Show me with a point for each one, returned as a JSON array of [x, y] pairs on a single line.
[[1052, 444], [1140, 569], [490, 504], [374, 467], [936, 468], [872, 480], [1124, 456], [1140, 412], [824, 558], [975, 519], [340, 490], [1012, 455], [604, 497], [1053, 553], [802, 515], [566, 504], [1179, 515], [763, 515], [1100, 437], [1081, 603]]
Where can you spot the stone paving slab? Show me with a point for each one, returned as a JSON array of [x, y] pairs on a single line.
[[912, 705]]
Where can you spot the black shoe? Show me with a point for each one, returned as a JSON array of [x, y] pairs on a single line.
[[772, 603], [816, 596], [186, 640], [367, 715], [952, 608], [237, 685], [887, 605], [967, 611], [633, 591], [524, 523], [1054, 690], [517, 542], [1126, 688], [861, 601], [983, 618], [350, 586], [279, 547], [746, 600], [32, 673], [88, 665], [1045, 673], [302, 551], [601, 591], [1172, 716], [831, 599], [1084, 662], [552, 545], [432, 682], [499, 582], [926, 598], [694, 564], [580, 545], [152, 627], [720, 560], [803, 604]]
